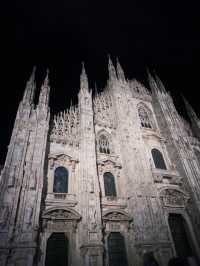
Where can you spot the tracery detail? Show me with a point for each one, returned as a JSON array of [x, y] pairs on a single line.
[[65, 127], [103, 113], [174, 198], [103, 144], [145, 116]]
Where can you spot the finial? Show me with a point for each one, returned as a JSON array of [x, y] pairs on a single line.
[[30, 87], [95, 89], [152, 82], [159, 82], [83, 79], [120, 71], [111, 69], [32, 77], [190, 110], [46, 80]]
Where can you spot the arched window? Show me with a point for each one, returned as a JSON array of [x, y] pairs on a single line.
[[109, 185], [180, 234], [144, 116], [103, 144], [60, 180], [117, 250], [57, 250], [158, 159]]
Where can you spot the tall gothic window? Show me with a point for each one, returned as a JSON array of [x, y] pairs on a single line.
[[144, 116], [158, 159], [103, 144], [117, 250], [60, 180], [57, 250], [109, 185], [180, 234]]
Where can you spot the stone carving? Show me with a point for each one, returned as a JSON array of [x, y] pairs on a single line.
[[116, 215], [61, 159], [174, 198], [4, 214], [28, 216], [72, 141], [33, 179], [61, 214], [145, 116], [103, 113], [65, 127]]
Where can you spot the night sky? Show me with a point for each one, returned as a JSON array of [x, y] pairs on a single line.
[[161, 35]]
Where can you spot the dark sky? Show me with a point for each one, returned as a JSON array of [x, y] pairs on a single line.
[[163, 35]]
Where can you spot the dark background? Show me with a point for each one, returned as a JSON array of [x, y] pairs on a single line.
[[163, 35]]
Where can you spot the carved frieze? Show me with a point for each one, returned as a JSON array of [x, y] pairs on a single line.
[[116, 220], [62, 159], [173, 198], [109, 164], [60, 219], [61, 214]]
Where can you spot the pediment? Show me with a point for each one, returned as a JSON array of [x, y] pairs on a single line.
[[116, 215], [60, 156], [174, 197], [106, 162], [61, 214]]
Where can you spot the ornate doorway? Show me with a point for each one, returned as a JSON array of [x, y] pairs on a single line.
[[182, 239], [57, 250], [117, 250]]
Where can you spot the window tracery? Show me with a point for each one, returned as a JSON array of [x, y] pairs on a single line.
[[145, 117], [103, 144]]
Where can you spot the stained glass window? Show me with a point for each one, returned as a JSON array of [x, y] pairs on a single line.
[[60, 180]]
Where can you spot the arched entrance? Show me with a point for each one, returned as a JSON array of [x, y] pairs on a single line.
[[181, 237], [116, 250], [57, 250]]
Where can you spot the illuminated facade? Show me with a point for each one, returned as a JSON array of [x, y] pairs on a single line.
[[113, 181]]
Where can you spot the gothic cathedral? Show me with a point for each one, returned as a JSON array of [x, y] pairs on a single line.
[[113, 181]]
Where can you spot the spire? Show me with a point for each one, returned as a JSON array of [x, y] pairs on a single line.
[[46, 80], [160, 85], [95, 89], [84, 80], [120, 72], [111, 70], [152, 82], [193, 118], [191, 113], [45, 89], [30, 88]]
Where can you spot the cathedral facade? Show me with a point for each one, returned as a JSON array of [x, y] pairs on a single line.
[[113, 181]]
